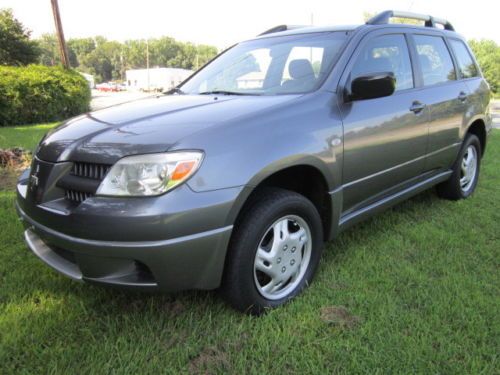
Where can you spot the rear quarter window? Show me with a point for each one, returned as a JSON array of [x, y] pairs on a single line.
[[466, 65]]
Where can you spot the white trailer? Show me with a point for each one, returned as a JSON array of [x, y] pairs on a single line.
[[155, 79]]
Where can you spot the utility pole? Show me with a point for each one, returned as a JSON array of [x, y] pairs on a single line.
[[311, 50], [63, 50], [147, 59]]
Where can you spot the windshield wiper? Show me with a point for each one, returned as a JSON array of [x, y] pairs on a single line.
[[225, 92], [175, 90]]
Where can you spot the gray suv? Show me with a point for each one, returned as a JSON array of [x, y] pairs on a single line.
[[236, 178]]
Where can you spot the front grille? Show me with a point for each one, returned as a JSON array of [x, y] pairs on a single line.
[[82, 181], [89, 170], [76, 196]]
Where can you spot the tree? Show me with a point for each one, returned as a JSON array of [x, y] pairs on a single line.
[[186, 56], [78, 48], [204, 54], [16, 48], [135, 54], [105, 61], [49, 52], [487, 53], [163, 51]]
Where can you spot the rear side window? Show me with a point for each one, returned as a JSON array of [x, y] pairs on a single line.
[[435, 60], [386, 53], [466, 65]]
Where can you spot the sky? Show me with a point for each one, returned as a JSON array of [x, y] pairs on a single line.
[[225, 22]]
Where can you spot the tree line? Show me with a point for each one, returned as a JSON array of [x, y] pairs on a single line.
[[108, 59], [105, 59]]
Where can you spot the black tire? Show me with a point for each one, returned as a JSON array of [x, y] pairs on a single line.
[[451, 189], [267, 206]]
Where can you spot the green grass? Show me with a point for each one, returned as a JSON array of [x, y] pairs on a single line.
[[23, 136], [420, 284]]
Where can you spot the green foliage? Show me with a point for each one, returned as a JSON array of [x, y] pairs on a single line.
[[16, 48], [487, 53], [39, 94], [108, 60], [49, 52]]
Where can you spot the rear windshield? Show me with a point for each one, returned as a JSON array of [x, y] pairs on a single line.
[[268, 66]]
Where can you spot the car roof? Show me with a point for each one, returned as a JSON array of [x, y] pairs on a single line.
[[298, 30], [381, 20]]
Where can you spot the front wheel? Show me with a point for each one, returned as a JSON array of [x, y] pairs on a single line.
[[463, 180], [274, 251]]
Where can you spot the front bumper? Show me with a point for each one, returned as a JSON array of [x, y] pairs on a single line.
[[189, 262], [142, 243]]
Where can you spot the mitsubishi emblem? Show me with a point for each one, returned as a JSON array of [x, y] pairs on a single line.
[[34, 177]]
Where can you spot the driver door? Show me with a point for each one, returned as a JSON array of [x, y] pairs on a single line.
[[385, 138]]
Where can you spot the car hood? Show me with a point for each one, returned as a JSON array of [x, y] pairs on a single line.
[[148, 125]]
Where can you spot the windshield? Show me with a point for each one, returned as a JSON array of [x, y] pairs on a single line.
[[268, 66]]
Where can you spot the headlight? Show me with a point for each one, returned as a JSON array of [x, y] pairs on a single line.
[[152, 174]]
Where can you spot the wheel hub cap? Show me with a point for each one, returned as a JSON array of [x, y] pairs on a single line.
[[282, 257], [468, 168]]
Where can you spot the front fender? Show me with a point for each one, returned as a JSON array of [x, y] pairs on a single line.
[[328, 168], [243, 153]]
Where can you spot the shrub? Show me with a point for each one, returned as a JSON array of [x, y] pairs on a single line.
[[35, 94]]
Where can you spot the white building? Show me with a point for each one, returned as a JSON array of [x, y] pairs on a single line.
[[155, 79], [252, 80], [90, 79]]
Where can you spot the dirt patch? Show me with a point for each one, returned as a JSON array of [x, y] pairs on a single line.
[[209, 361], [174, 307], [15, 158], [340, 316], [339, 286]]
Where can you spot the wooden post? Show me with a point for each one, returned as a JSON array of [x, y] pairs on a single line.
[[147, 60], [63, 50]]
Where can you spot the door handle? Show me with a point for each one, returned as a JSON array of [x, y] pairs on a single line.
[[417, 107], [462, 96]]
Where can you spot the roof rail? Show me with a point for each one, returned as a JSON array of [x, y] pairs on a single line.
[[383, 18], [279, 28]]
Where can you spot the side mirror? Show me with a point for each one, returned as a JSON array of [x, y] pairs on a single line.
[[376, 85]]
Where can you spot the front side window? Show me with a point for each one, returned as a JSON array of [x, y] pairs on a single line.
[[268, 66], [386, 53], [466, 65], [435, 60]]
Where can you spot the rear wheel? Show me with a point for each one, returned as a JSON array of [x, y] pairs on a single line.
[[463, 180], [274, 251]]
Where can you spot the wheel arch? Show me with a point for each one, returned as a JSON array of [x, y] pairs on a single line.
[[478, 128], [307, 178]]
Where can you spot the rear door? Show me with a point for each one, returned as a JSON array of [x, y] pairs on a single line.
[[445, 97], [468, 71], [385, 139]]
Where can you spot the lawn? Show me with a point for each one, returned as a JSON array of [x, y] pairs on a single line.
[[414, 290], [23, 136]]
